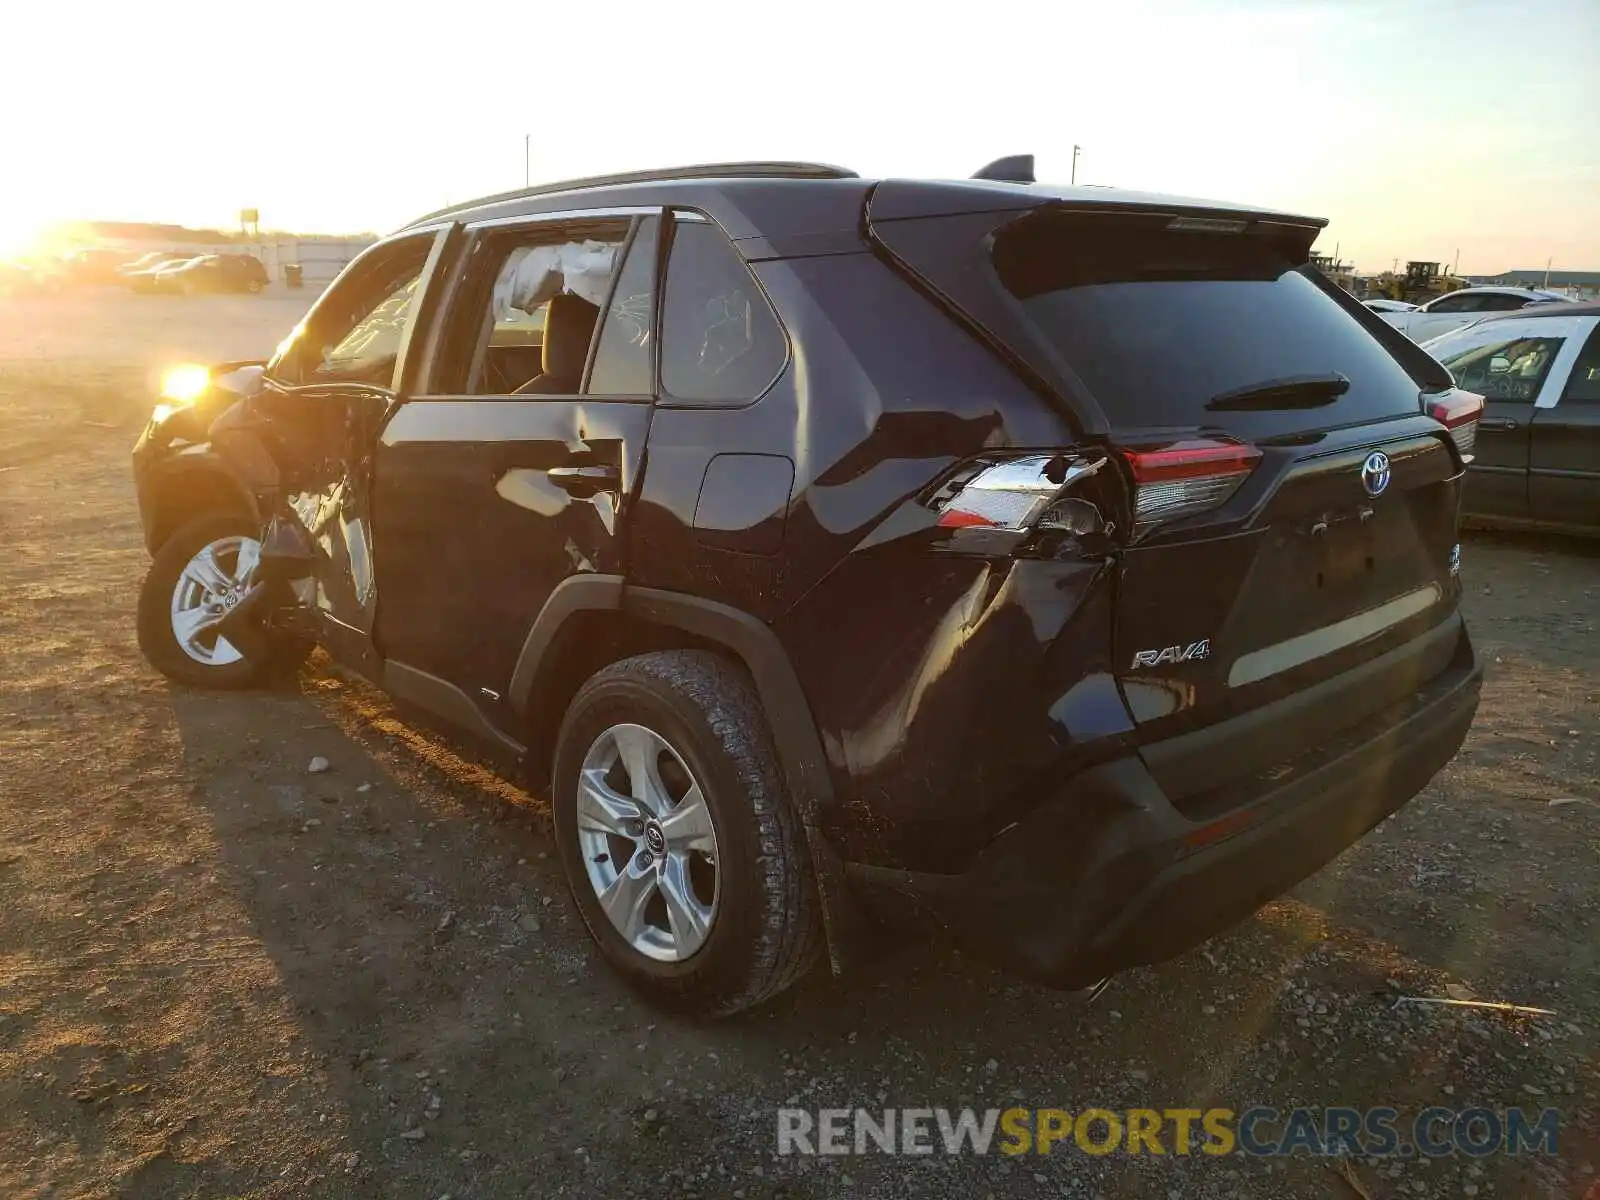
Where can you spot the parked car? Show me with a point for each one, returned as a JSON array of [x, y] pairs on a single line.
[[842, 551], [150, 261], [215, 273], [149, 278], [1464, 307], [1537, 458], [1380, 305]]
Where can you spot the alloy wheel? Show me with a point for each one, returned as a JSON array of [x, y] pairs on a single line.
[[648, 841], [213, 583]]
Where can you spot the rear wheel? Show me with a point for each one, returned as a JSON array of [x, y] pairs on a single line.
[[684, 854], [202, 574]]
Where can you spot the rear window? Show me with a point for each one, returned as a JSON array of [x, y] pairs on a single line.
[[1158, 324]]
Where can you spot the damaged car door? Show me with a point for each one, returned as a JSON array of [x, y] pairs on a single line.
[[330, 387], [509, 471]]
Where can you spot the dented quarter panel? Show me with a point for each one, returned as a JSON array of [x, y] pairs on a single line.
[[952, 691], [935, 680], [941, 683]]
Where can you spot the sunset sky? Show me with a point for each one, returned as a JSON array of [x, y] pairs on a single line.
[[1419, 127]]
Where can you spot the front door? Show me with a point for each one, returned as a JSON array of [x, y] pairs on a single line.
[[335, 380], [512, 470], [1497, 485], [1507, 363], [1564, 457]]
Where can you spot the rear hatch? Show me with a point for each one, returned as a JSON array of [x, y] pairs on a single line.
[[1291, 505]]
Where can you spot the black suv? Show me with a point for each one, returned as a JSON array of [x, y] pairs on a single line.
[[1069, 569]]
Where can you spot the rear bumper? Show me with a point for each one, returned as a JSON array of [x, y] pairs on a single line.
[[1109, 874]]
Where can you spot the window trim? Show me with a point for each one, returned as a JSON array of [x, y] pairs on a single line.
[[564, 215], [455, 289], [669, 238]]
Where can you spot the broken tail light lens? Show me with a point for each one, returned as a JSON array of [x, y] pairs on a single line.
[[1458, 411], [1012, 496], [1184, 478]]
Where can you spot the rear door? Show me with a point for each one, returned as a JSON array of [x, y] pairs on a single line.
[[1292, 508], [1564, 480], [512, 470]]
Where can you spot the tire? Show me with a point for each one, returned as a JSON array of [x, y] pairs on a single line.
[[235, 662], [764, 927]]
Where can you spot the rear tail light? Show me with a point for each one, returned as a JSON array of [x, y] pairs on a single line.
[[1012, 496], [1458, 412], [1184, 478]]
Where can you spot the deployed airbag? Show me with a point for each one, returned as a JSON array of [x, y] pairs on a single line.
[[533, 274]]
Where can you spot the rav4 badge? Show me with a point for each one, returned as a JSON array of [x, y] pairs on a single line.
[[1193, 652]]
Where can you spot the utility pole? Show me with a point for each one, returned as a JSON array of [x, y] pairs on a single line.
[[1075, 150], [1547, 263], [527, 160], [1456, 266]]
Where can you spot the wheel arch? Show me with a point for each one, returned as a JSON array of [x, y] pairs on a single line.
[[590, 621], [180, 494]]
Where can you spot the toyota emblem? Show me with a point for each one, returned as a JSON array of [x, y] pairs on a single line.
[[1375, 473]]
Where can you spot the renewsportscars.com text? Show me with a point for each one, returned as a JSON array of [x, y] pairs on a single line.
[[1433, 1132]]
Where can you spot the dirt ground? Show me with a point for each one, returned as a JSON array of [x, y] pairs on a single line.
[[221, 975]]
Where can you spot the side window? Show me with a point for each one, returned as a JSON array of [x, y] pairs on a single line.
[[624, 358], [1504, 368], [720, 342], [1454, 304], [525, 315], [367, 353], [354, 333], [1583, 385], [1503, 303]]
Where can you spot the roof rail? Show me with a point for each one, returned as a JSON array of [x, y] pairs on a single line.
[[732, 170]]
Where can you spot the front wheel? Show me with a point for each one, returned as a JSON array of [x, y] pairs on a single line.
[[683, 851], [202, 573]]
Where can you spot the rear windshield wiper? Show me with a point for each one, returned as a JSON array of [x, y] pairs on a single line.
[[1290, 391]]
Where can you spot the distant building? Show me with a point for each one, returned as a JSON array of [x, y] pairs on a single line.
[[1577, 284]]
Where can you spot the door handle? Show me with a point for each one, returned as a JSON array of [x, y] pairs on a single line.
[[1497, 423], [586, 480]]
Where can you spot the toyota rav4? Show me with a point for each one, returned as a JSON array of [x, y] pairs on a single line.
[[1069, 569]]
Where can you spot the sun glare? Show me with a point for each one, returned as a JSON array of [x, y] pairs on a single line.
[[18, 238]]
